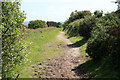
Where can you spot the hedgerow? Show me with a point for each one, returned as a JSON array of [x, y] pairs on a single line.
[[102, 32], [105, 39]]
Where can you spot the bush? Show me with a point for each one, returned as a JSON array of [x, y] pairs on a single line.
[[98, 43], [86, 25], [82, 27], [12, 36], [51, 23], [105, 39], [75, 16], [54, 24], [37, 24], [98, 14], [59, 25]]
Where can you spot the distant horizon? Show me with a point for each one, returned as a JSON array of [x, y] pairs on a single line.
[[27, 22], [45, 21]]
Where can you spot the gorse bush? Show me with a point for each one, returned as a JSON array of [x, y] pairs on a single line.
[[12, 36], [74, 16], [82, 27], [105, 39], [78, 15], [102, 32], [37, 24], [86, 26]]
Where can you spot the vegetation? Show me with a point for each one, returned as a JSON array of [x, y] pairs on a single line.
[[74, 16], [106, 37], [54, 24], [37, 42], [80, 42], [102, 33], [37, 24], [12, 36], [97, 36], [82, 27]]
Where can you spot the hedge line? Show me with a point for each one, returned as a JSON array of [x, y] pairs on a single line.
[[102, 32]]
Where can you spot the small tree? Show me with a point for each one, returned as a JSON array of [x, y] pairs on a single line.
[[37, 24], [12, 36]]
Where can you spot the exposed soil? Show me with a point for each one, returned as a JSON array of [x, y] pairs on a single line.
[[64, 66]]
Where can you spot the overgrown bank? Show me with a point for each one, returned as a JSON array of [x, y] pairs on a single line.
[[102, 41]]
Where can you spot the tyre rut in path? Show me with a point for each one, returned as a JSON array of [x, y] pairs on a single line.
[[61, 67]]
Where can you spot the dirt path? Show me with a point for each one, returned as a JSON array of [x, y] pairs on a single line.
[[65, 66]]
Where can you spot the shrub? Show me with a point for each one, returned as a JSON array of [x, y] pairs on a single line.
[[51, 23], [82, 27], [86, 25], [59, 25], [37, 24], [54, 24], [75, 16], [12, 36], [98, 14], [105, 39]]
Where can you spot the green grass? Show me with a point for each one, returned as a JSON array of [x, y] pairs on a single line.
[[101, 69], [38, 49]]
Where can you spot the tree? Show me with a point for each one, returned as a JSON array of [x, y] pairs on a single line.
[[37, 24], [12, 36]]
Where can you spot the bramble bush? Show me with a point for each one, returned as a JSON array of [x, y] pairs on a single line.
[[12, 36], [37, 24]]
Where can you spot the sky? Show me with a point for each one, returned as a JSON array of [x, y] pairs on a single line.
[[60, 10]]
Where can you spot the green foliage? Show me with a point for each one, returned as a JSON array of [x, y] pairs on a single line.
[[103, 45], [37, 24], [51, 23], [86, 26], [54, 24], [59, 25], [98, 14], [76, 15], [12, 36], [82, 27], [105, 39]]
